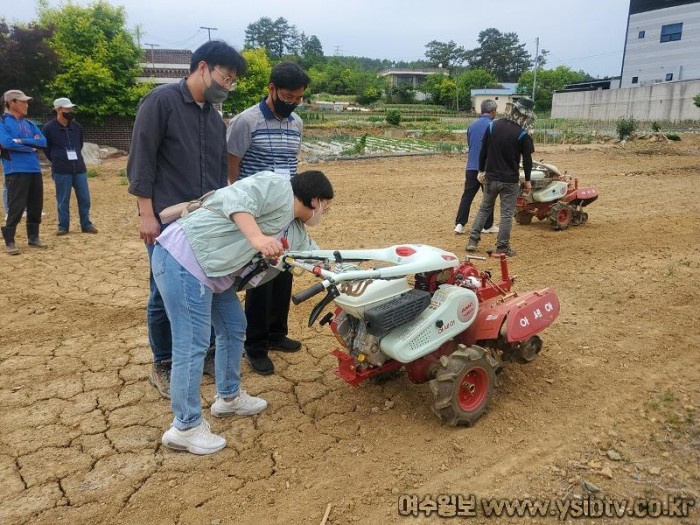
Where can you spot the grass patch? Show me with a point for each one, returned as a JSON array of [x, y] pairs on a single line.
[[92, 173]]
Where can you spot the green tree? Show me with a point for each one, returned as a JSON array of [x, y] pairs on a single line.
[[277, 37], [548, 81], [369, 95], [253, 86], [441, 89], [500, 53], [696, 100], [401, 94], [99, 59], [311, 51], [473, 79], [342, 77], [27, 62], [447, 54]]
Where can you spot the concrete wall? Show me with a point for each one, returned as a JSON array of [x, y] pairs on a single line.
[[501, 100], [666, 101]]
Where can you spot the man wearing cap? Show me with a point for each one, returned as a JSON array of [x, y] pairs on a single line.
[[20, 139], [505, 142], [64, 145]]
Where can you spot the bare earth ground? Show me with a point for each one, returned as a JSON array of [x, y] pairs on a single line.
[[612, 403]]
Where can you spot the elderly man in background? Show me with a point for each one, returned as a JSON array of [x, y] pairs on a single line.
[[475, 134], [20, 139]]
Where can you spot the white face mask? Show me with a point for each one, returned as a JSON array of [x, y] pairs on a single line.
[[316, 216]]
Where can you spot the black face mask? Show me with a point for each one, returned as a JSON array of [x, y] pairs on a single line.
[[282, 108], [68, 116]]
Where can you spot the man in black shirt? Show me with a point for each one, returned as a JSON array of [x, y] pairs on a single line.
[[504, 143], [178, 153]]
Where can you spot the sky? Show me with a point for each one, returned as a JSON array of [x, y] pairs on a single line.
[[583, 34]]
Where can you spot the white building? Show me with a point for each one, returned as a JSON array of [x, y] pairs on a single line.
[[662, 43]]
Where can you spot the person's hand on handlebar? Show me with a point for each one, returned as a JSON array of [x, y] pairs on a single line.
[[267, 246]]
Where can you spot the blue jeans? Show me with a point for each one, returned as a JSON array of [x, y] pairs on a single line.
[[508, 192], [192, 309], [159, 336], [159, 333], [64, 183]]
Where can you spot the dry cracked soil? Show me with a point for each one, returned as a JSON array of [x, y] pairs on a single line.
[[609, 408]]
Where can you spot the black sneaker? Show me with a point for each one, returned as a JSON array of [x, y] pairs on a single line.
[[510, 252], [160, 377], [285, 345], [261, 364], [209, 362]]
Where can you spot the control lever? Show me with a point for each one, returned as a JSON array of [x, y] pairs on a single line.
[[261, 266], [330, 296]]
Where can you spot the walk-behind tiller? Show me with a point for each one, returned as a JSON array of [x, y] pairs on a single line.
[[554, 196], [451, 325]]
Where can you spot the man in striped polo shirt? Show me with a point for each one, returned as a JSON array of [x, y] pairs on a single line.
[[267, 137]]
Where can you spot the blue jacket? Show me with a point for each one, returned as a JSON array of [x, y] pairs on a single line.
[[475, 134], [20, 158]]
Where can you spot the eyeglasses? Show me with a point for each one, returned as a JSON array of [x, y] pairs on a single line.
[[289, 99], [228, 81]]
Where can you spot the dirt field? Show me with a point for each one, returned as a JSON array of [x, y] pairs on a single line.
[[610, 408]]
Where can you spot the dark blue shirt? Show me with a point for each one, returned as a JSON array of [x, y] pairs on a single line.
[[475, 134], [60, 140]]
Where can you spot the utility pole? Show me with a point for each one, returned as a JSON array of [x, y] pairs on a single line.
[[153, 61], [337, 51], [537, 60], [209, 30], [138, 32]]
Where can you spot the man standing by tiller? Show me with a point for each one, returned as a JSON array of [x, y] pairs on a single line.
[[20, 138], [178, 153], [505, 142], [64, 144], [267, 136], [475, 135]]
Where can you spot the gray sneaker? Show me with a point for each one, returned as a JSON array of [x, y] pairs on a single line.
[[160, 377], [509, 252], [209, 362], [472, 246]]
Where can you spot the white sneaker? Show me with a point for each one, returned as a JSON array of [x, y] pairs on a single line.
[[198, 440], [492, 229], [243, 405], [459, 229]]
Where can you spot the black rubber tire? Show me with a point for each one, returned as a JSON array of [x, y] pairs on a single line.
[[465, 368], [560, 216]]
